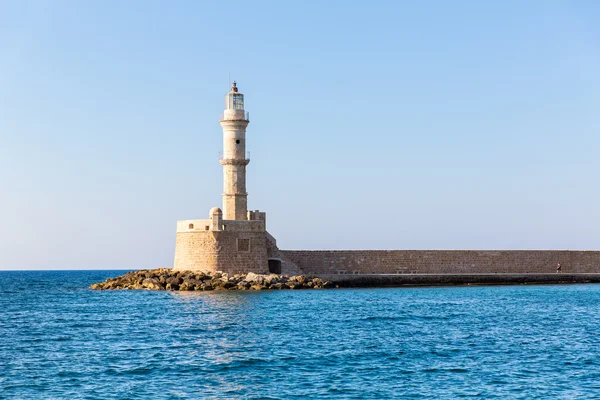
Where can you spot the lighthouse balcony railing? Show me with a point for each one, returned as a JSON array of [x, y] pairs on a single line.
[[231, 156], [246, 117]]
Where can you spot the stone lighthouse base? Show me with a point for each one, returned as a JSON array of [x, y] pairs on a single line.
[[235, 247], [231, 252]]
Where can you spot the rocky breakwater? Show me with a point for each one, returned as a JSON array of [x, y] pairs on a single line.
[[167, 279]]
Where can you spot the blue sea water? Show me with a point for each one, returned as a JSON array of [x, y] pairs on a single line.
[[60, 340]]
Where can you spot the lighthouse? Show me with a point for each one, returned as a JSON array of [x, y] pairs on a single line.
[[233, 239], [234, 121]]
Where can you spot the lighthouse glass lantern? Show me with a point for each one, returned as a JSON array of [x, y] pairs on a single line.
[[234, 100]]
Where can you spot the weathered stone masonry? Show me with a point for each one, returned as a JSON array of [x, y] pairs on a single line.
[[236, 240], [442, 261]]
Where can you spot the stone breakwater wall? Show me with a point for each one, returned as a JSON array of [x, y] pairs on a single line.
[[346, 281], [343, 262], [169, 279]]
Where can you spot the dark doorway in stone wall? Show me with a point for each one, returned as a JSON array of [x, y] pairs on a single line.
[[274, 266]]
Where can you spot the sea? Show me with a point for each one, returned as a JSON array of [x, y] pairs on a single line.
[[61, 340]]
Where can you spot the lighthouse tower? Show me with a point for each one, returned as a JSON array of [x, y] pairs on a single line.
[[234, 121], [233, 239]]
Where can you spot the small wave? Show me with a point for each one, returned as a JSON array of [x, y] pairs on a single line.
[[131, 371], [63, 339], [138, 371], [458, 370], [381, 318]]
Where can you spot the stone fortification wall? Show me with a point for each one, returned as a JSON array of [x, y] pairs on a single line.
[[195, 250], [441, 261], [228, 251], [274, 253]]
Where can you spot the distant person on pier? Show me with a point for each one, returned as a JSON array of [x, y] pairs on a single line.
[[558, 268]]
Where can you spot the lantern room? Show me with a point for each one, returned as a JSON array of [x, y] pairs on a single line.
[[233, 99]]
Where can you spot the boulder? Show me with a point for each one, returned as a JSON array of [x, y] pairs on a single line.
[[174, 280], [294, 285], [252, 277], [243, 285], [166, 278], [152, 284], [111, 285], [228, 285], [272, 279], [193, 282], [279, 285]]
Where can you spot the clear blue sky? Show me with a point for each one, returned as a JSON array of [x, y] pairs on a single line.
[[374, 125]]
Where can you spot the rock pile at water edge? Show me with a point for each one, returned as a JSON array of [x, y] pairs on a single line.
[[168, 279]]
